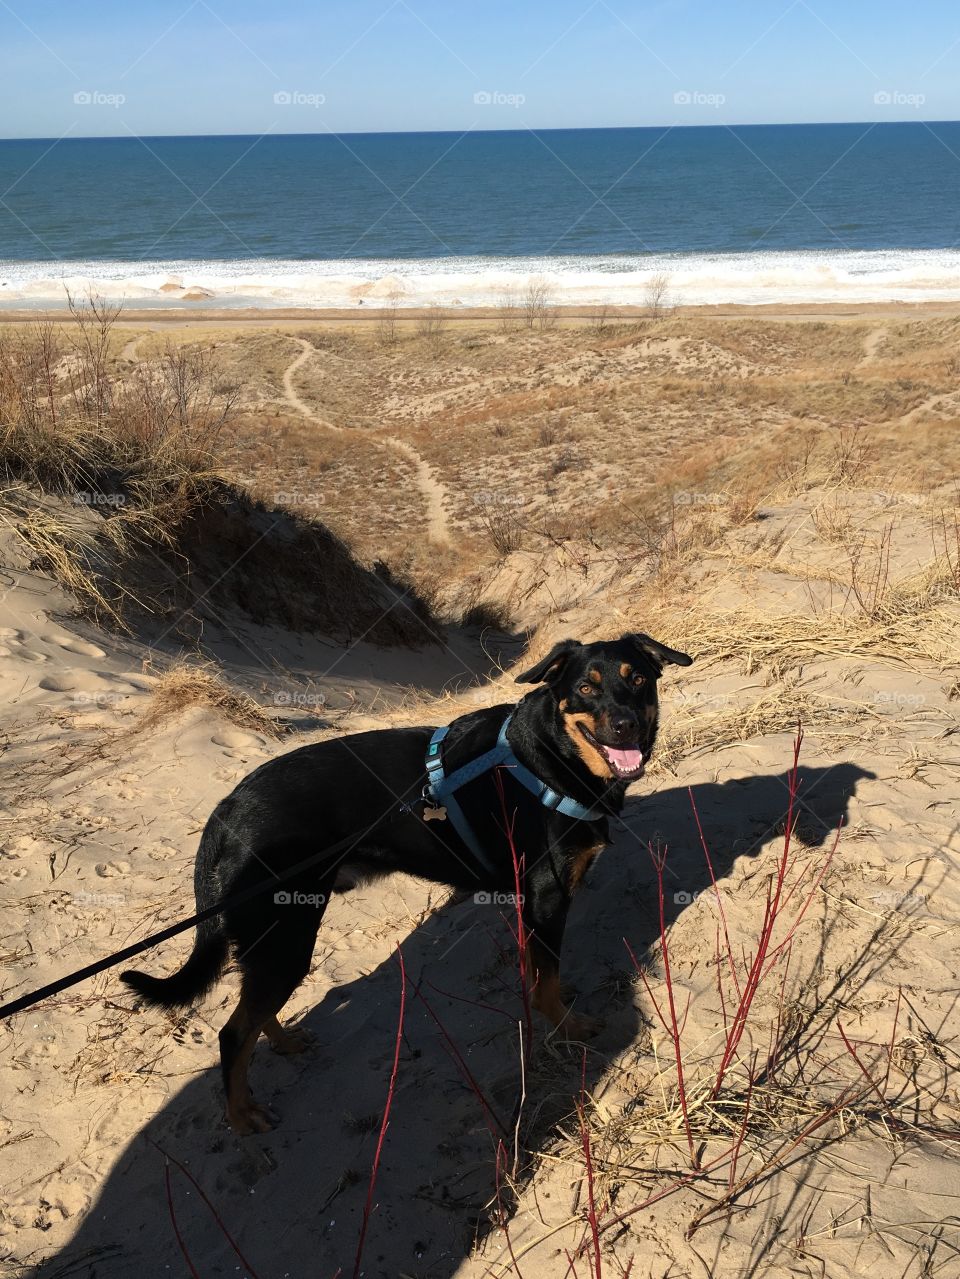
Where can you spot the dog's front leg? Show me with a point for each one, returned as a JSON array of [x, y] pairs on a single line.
[[545, 916]]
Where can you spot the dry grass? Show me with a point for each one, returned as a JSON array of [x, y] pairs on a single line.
[[186, 686], [114, 483]]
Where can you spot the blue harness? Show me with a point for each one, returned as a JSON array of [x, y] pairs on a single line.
[[440, 790]]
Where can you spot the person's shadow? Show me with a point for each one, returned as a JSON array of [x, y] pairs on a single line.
[[293, 1200]]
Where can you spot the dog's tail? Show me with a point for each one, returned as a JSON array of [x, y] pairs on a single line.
[[198, 974]]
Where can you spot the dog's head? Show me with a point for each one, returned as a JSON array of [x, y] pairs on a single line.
[[605, 696]]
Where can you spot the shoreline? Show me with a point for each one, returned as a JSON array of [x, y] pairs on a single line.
[[269, 316]]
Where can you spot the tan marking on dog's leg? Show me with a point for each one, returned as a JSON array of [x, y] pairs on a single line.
[[543, 979], [581, 864], [243, 1113]]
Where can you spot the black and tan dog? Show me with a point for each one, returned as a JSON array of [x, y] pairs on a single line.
[[586, 733]]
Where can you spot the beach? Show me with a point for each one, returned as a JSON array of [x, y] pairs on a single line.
[[771, 489]]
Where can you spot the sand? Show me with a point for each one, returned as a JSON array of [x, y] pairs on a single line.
[[100, 822]]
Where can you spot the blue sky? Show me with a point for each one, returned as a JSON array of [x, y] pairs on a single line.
[[292, 66]]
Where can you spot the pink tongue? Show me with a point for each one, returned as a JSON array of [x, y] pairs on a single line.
[[625, 761]]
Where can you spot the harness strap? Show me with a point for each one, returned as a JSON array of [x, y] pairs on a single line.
[[440, 789]]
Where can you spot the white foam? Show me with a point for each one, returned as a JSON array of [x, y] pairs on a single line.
[[908, 275]]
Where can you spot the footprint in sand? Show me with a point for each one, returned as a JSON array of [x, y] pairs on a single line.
[[59, 683], [161, 850], [236, 743], [67, 1198], [137, 680], [72, 644], [230, 775], [96, 688], [28, 655], [108, 870], [85, 816]]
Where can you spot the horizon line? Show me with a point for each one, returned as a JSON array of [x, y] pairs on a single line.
[[573, 128]]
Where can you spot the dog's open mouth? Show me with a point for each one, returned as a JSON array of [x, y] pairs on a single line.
[[626, 763]]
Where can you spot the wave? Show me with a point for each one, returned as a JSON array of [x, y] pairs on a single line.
[[695, 279]]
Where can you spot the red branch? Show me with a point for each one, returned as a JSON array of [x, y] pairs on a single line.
[[368, 1206], [173, 1221]]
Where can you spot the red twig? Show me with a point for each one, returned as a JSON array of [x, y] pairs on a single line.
[[674, 1029], [462, 999], [173, 1220], [588, 1159], [893, 1039], [735, 1157], [759, 967], [465, 1069], [384, 1123], [716, 891], [216, 1216], [502, 1154], [522, 940]]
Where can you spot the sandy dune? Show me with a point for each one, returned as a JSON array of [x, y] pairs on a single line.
[[112, 1140]]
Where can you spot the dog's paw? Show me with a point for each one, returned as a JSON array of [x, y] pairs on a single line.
[[290, 1042], [249, 1119], [577, 1027]]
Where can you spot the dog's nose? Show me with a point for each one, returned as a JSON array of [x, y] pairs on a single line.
[[623, 725]]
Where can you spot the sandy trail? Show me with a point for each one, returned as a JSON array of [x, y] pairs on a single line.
[[290, 391], [871, 344], [431, 489], [433, 492], [931, 405]]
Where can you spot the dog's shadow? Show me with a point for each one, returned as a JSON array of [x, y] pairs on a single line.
[[293, 1201]]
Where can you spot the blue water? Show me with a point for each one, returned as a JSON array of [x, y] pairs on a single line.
[[594, 193]]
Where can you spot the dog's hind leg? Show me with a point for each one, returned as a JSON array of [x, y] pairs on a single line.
[[272, 966], [237, 1041]]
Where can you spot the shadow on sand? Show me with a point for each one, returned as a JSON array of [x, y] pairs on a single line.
[[293, 1200]]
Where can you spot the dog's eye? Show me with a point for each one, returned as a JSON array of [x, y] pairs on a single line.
[[587, 690], [638, 681]]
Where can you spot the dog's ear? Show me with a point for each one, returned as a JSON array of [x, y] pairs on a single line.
[[660, 653], [552, 665]]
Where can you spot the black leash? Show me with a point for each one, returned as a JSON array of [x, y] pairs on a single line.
[[128, 952]]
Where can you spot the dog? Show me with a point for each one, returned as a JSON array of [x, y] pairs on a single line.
[[585, 733]]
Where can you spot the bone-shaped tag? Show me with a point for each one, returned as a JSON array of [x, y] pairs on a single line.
[[438, 814]]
